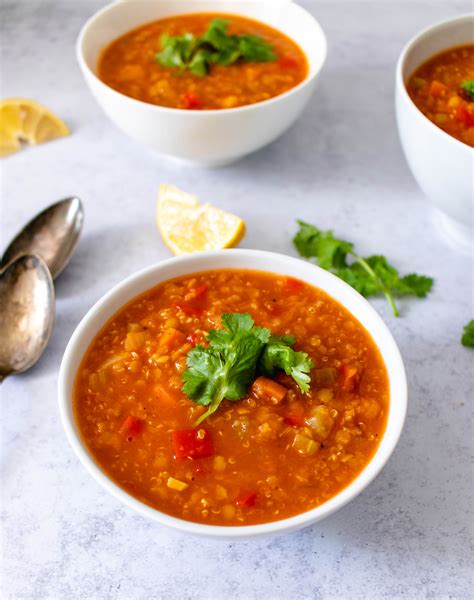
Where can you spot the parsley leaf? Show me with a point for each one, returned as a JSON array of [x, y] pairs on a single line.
[[278, 354], [215, 46], [369, 276], [227, 366], [468, 88], [468, 335]]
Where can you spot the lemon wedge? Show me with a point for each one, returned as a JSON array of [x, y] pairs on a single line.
[[188, 226], [24, 120]]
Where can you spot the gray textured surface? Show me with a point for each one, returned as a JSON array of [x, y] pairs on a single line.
[[341, 166]]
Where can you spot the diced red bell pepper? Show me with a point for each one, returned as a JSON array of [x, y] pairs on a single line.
[[276, 310], [131, 427], [191, 100], [193, 339], [349, 377], [465, 116], [246, 499], [292, 285], [269, 391], [194, 303], [188, 309], [200, 290], [294, 420], [192, 443], [289, 62]]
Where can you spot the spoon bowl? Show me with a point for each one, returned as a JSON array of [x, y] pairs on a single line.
[[27, 311], [52, 235]]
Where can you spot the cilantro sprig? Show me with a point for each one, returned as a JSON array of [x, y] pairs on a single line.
[[215, 46], [278, 354], [468, 335], [226, 367], [468, 90], [369, 276]]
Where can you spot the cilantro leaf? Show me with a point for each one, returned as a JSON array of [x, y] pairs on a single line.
[[331, 252], [199, 63], [414, 285], [215, 46], [369, 276], [253, 49], [288, 340], [356, 276], [280, 355], [225, 46], [468, 335], [227, 366], [468, 89], [202, 376], [176, 51]]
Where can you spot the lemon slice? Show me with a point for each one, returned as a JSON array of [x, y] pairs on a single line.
[[188, 226], [23, 120]]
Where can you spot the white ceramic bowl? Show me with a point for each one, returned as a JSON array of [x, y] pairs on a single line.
[[236, 259], [206, 137], [442, 165]]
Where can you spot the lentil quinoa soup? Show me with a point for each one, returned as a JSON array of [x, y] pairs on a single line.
[[436, 88], [129, 66], [274, 453]]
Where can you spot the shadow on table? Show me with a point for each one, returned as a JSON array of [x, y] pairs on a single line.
[[340, 133]]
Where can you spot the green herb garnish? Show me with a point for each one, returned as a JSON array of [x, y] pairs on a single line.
[[227, 366], [468, 88], [468, 335], [278, 354], [369, 276], [216, 46]]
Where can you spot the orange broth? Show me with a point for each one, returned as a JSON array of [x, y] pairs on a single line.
[[129, 66], [259, 460]]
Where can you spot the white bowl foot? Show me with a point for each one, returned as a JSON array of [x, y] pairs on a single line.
[[200, 164], [459, 236]]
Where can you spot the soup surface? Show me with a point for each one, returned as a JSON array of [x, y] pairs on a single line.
[[275, 453], [439, 88], [129, 65]]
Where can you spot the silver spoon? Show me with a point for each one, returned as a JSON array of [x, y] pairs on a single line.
[[53, 235], [27, 311]]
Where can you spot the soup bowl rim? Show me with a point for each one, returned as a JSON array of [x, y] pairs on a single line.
[[134, 285]]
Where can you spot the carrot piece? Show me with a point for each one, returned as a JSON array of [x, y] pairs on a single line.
[[438, 89], [163, 394], [268, 390], [169, 338], [349, 377], [131, 427]]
